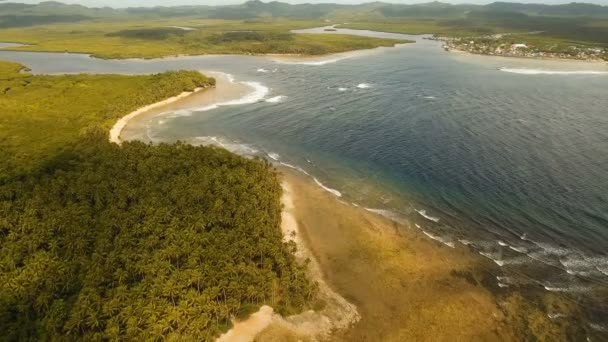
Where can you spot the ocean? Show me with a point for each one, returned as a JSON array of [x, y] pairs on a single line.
[[506, 156]]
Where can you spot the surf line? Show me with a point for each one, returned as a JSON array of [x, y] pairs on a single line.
[[258, 93]]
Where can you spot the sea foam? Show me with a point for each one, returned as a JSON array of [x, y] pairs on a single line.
[[427, 216], [330, 190], [440, 239], [524, 71], [276, 99]]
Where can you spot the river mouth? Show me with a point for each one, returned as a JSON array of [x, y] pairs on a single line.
[[509, 164]]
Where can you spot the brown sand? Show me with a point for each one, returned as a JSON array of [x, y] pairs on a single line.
[[405, 286], [401, 281]]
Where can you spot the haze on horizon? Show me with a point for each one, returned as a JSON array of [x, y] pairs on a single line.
[[152, 3]]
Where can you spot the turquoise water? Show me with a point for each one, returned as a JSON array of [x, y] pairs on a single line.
[[509, 157]]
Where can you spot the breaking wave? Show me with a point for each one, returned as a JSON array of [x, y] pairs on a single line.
[[524, 71], [427, 216], [440, 239], [330, 190], [276, 99]]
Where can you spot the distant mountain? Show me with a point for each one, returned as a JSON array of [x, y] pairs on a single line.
[[12, 14]]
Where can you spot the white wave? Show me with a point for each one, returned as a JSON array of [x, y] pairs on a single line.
[[465, 242], [276, 99], [427, 216], [566, 289], [525, 71], [258, 93], [342, 89], [519, 249], [577, 264], [321, 62], [330, 190], [274, 156], [363, 85], [174, 114], [555, 315], [383, 212], [503, 244], [297, 168], [501, 285], [354, 204], [262, 70], [316, 62], [417, 226], [183, 28], [440, 239], [430, 97], [206, 108], [503, 279]]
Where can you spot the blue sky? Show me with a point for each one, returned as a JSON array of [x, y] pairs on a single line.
[[148, 3]]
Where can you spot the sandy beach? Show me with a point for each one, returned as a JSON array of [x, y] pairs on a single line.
[[225, 90], [402, 285], [380, 280], [330, 58]]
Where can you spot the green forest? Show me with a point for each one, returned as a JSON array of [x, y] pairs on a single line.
[[133, 242], [256, 27]]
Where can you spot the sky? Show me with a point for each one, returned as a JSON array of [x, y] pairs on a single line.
[[150, 3]]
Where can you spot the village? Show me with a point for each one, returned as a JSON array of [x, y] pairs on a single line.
[[498, 45]]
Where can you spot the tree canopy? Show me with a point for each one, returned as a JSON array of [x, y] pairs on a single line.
[[134, 242]]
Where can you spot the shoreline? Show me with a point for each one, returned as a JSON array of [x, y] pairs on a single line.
[[337, 313], [524, 58], [225, 91], [118, 127], [394, 273], [331, 57]]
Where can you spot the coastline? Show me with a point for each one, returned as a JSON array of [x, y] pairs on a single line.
[[225, 91], [392, 275], [330, 58], [118, 127], [524, 58]]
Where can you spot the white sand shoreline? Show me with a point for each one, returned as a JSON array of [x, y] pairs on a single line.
[[122, 122], [225, 92]]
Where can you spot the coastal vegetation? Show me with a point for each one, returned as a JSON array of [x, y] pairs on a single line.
[[156, 38], [131, 242], [256, 27]]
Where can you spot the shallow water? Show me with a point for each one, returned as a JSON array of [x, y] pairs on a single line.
[[508, 156]]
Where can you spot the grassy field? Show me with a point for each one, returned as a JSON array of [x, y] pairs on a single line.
[[156, 38]]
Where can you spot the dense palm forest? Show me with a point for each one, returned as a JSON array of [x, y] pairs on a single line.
[[134, 242], [41, 114]]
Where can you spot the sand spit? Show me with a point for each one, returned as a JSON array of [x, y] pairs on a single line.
[[331, 58], [226, 91], [122, 122]]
